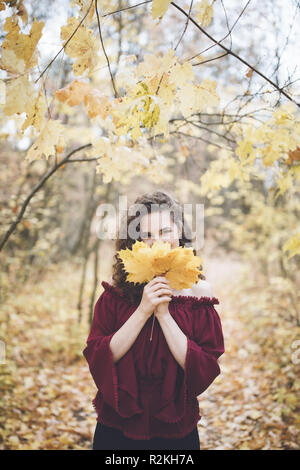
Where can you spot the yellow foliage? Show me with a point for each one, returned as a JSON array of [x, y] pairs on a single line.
[[157, 86], [121, 162], [95, 102], [20, 46], [82, 47], [159, 8], [179, 265], [276, 140], [84, 5], [36, 112], [222, 172], [50, 136], [19, 96], [204, 12], [292, 245], [73, 94]]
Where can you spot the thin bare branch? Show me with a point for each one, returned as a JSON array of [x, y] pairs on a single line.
[[66, 43], [126, 8], [210, 60], [186, 25], [35, 190], [83, 160], [236, 56], [101, 40], [226, 36]]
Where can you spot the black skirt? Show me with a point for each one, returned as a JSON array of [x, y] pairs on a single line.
[[107, 438]]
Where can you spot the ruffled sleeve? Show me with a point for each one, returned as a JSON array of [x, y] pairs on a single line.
[[201, 367], [116, 382]]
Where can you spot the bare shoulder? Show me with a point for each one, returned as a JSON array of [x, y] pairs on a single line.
[[202, 288]]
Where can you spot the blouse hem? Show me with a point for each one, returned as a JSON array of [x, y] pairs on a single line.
[[144, 436]]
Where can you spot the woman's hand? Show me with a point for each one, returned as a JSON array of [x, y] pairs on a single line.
[[156, 293]]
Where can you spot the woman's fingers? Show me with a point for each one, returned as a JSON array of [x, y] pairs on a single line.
[[161, 292], [158, 279], [160, 285], [162, 299]]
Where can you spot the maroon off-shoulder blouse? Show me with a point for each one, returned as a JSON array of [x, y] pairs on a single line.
[[147, 393]]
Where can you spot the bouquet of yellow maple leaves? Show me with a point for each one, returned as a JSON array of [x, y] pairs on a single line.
[[179, 265]]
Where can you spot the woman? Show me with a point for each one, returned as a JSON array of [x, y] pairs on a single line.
[[150, 369]]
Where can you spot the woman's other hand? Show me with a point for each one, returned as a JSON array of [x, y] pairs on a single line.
[[156, 293]]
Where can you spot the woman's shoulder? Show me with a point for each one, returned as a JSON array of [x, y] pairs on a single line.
[[112, 291], [200, 292], [110, 288], [202, 288], [199, 289]]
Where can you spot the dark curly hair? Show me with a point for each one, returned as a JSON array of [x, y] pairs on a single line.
[[165, 201]]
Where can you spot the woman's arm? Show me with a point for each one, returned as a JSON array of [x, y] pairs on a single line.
[[124, 338], [176, 339]]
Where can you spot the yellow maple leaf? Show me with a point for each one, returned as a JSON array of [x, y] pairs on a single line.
[[181, 73], [293, 156], [284, 183], [74, 93], [159, 8], [51, 135], [84, 5], [19, 96], [23, 45], [11, 63], [137, 262], [204, 12], [244, 149], [155, 65], [179, 265], [97, 103], [292, 245], [195, 97], [81, 47], [36, 112], [117, 160]]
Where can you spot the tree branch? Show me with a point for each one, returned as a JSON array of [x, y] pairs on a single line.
[[186, 25], [229, 51], [66, 43], [101, 40], [35, 190]]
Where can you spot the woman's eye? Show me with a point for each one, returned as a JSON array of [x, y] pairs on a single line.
[[147, 236]]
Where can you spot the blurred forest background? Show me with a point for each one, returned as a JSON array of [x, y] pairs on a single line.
[[69, 144]]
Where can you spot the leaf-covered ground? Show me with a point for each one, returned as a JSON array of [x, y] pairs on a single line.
[[46, 388]]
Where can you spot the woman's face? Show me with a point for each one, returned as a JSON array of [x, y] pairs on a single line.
[[159, 226]]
